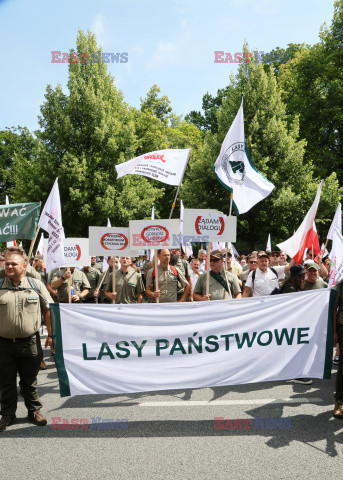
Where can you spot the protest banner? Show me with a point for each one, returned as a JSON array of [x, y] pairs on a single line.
[[116, 349], [154, 234], [109, 241], [18, 220], [208, 226], [76, 252]]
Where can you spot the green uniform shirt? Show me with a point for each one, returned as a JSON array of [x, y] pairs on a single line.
[[146, 267], [98, 266], [43, 275], [216, 290], [235, 270], [78, 281], [183, 266], [93, 276], [168, 284], [20, 310], [128, 285], [314, 286], [51, 274]]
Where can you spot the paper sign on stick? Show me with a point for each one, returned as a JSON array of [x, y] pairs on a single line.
[[154, 234], [108, 241], [76, 252], [209, 226]]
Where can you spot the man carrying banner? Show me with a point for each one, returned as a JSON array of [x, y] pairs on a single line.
[[129, 286], [21, 300], [79, 283], [95, 264], [170, 281], [222, 285]]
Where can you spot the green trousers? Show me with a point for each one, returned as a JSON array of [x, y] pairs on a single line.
[[21, 358]]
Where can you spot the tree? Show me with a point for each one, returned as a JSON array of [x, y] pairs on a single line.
[[84, 134], [275, 148]]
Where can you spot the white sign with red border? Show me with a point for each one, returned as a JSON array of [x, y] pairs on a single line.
[[154, 234], [110, 241], [209, 226], [76, 252]]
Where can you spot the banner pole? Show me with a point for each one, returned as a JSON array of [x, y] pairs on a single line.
[[208, 270], [156, 276], [231, 197], [69, 286], [113, 279], [178, 188]]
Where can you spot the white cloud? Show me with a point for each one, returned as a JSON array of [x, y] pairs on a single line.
[[99, 29], [165, 54]]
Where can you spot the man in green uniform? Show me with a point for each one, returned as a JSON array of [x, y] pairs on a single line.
[[129, 286], [296, 281], [93, 277], [79, 283], [223, 285], [96, 264], [20, 349], [38, 266], [313, 281], [170, 281]]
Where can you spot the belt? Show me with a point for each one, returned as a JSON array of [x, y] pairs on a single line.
[[12, 340]]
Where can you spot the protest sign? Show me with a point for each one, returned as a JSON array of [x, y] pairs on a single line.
[[76, 252], [159, 233], [111, 241], [115, 349], [18, 220], [208, 226]]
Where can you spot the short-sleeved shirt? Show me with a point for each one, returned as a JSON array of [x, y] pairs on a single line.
[[128, 285], [20, 310], [183, 266], [265, 282], [168, 283], [216, 290], [235, 270], [79, 282], [51, 274], [314, 286], [202, 267], [98, 266], [146, 267], [93, 276]]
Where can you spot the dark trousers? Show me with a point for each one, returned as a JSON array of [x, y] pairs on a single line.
[[339, 378], [23, 358]]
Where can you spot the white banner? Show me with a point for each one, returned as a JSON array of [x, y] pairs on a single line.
[[110, 241], [139, 348], [76, 252], [208, 226], [154, 234], [167, 166]]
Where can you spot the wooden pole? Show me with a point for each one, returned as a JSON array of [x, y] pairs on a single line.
[[113, 279], [231, 197], [69, 286], [208, 270], [32, 245], [156, 276], [178, 188]]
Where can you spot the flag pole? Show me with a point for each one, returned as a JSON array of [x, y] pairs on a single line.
[[231, 197], [69, 286], [113, 278], [208, 270], [34, 240], [156, 276], [178, 188]]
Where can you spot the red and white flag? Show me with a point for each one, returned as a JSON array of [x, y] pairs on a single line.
[[305, 235], [336, 223]]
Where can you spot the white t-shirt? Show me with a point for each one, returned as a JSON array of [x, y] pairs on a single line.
[[265, 282], [194, 278]]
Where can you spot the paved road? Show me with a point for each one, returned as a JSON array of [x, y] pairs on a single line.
[[171, 435]]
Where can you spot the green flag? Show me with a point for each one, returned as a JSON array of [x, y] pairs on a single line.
[[18, 220]]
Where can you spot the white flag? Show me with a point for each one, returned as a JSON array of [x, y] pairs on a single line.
[[13, 243], [236, 171], [269, 244], [336, 256], [167, 166], [51, 221], [296, 245], [104, 263], [40, 248], [336, 223], [153, 213], [187, 249]]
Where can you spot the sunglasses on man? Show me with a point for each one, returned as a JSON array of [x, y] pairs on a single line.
[[214, 260]]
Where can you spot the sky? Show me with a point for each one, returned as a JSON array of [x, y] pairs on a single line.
[[170, 43]]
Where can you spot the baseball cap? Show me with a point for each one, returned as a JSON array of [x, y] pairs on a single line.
[[297, 270], [263, 254], [216, 254]]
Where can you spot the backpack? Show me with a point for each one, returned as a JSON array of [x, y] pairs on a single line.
[[32, 283]]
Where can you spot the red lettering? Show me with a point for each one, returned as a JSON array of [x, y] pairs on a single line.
[[247, 57], [74, 423], [228, 58], [66, 58], [83, 423], [74, 58], [84, 57], [247, 422], [56, 423], [218, 56], [238, 57], [55, 56], [219, 423], [137, 240]]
